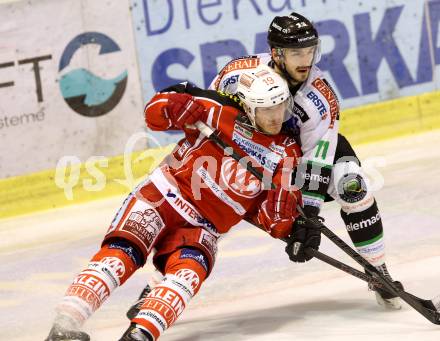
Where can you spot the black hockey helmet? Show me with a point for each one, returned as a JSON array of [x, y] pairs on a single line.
[[292, 31]]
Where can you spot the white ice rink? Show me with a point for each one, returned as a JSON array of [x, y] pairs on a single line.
[[254, 292]]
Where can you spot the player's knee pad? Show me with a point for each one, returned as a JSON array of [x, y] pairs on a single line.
[[195, 238], [351, 187], [107, 270], [184, 273]]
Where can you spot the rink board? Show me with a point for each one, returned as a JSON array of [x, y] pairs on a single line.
[[390, 119], [378, 50], [362, 69]]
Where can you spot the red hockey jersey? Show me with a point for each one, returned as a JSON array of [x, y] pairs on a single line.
[[202, 183]]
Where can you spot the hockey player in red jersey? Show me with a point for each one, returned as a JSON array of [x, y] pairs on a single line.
[[330, 169], [198, 193]]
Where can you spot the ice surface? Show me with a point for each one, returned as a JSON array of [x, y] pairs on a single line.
[[254, 292]]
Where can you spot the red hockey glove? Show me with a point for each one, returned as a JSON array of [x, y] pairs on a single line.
[[278, 211], [183, 110]]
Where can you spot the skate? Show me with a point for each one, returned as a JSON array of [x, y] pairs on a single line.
[[58, 333], [134, 309], [135, 333], [383, 297], [387, 300]]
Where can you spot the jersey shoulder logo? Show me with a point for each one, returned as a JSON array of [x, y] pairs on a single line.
[[300, 112], [330, 97], [319, 103], [242, 63], [230, 80]]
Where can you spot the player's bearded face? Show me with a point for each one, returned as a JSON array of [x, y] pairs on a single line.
[[270, 120], [298, 62]]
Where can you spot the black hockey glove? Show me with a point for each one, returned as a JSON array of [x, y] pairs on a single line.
[[304, 234]]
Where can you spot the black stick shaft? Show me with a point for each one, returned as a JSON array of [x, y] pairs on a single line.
[[339, 265]]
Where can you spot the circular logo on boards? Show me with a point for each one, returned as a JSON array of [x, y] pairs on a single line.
[[84, 92]]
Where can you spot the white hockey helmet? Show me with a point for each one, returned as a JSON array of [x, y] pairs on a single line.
[[262, 87]]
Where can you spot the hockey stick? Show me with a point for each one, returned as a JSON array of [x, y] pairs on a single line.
[[429, 304], [425, 307], [342, 266]]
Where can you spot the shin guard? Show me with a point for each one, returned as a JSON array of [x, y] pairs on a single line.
[[184, 273], [107, 270], [366, 232]]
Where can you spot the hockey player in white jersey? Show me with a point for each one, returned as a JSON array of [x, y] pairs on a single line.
[[330, 168]]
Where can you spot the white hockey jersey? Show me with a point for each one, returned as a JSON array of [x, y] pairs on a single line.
[[314, 123]]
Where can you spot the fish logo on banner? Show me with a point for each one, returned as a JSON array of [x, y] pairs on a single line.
[[84, 92]]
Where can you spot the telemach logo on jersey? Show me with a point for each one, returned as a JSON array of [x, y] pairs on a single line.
[[239, 180]]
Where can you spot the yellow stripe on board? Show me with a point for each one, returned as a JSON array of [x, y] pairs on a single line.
[[384, 120], [39, 191]]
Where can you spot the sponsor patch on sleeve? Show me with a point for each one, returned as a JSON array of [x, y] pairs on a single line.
[[300, 112], [331, 98]]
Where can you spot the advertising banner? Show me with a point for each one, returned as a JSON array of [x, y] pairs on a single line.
[[69, 82], [373, 50]]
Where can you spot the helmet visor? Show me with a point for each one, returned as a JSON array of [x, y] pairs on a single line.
[[280, 112], [270, 119], [304, 56]]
